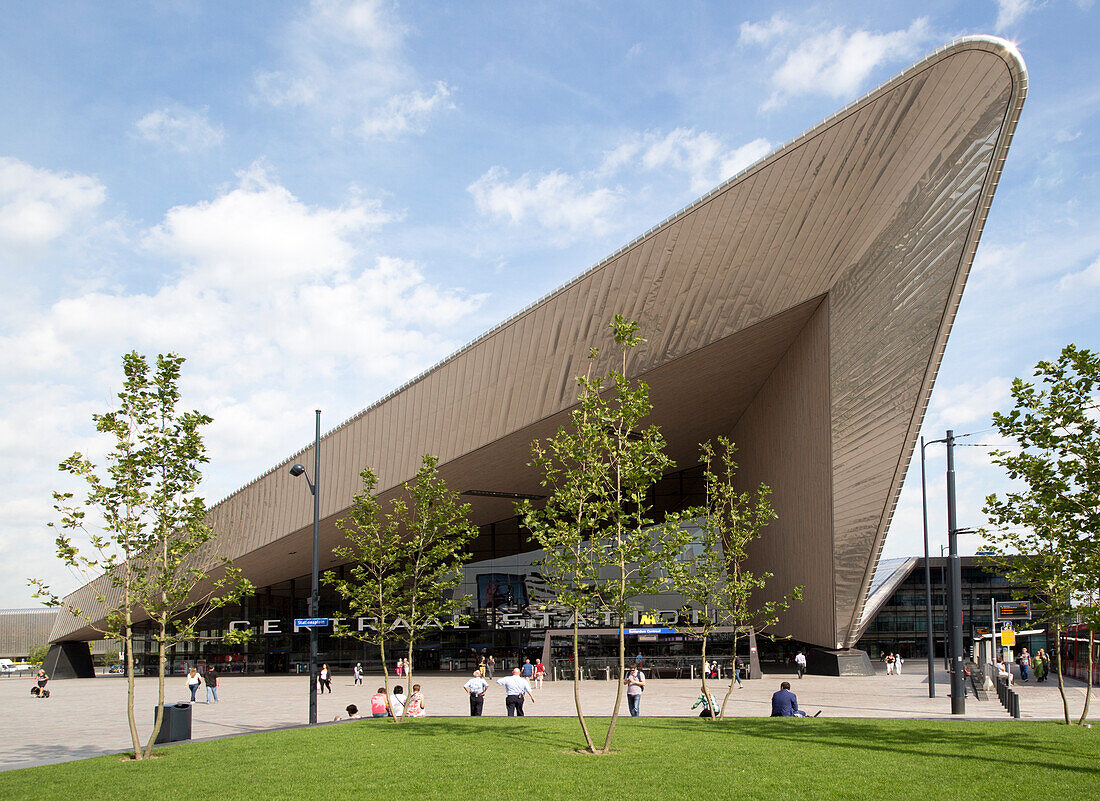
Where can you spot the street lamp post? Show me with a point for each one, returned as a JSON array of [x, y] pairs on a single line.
[[315, 594], [928, 575], [954, 597]]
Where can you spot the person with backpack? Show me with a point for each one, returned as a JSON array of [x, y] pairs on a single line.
[[635, 684]]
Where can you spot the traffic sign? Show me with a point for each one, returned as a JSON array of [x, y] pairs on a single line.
[[310, 622]]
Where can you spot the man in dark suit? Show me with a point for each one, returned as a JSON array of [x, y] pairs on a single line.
[[785, 703]]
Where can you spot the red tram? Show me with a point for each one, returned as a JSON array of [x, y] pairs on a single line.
[[1075, 653]]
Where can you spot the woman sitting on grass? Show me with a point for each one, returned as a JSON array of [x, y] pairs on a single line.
[[416, 703]]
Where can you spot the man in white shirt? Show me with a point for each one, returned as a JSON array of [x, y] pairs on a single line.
[[635, 683], [517, 687], [800, 663], [475, 688]]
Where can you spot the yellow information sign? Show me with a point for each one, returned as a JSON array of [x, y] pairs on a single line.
[[1008, 638]]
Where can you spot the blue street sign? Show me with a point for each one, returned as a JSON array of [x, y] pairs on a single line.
[[310, 622], [660, 630]]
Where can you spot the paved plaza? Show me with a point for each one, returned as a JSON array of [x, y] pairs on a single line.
[[86, 717]]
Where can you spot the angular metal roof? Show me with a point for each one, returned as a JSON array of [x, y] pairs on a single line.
[[802, 306]]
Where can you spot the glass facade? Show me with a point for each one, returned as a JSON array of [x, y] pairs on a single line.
[[901, 625]]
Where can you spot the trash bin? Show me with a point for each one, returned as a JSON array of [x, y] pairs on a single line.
[[176, 725]]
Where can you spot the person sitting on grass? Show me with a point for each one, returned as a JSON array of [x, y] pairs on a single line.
[[378, 706], [397, 701], [416, 703], [353, 713], [785, 703], [708, 703]]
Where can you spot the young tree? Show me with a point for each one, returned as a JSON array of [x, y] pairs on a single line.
[[408, 562], [602, 547], [374, 548], [154, 547], [715, 583], [1055, 516]]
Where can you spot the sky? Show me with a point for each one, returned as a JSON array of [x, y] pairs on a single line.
[[314, 202]]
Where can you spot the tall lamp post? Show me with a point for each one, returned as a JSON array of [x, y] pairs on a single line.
[[928, 574], [954, 596], [315, 595]]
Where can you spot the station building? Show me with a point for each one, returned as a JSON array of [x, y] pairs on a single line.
[[801, 308]]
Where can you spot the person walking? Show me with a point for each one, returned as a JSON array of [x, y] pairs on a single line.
[[490, 665], [193, 682], [481, 666], [889, 660], [400, 670], [540, 670], [357, 671], [475, 688], [738, 666], [324, 680], [898, 662], [528, 670], [635, 684], [800, 663], [1024, 661], [517, 687], [1041, 665], [211, 679]]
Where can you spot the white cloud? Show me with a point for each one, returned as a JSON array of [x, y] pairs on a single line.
[[1009, 12], [701, 155], [1088, 278], [344, 56], [184, 129], [38, 206], [279, 305], [837, 62], [968, 404], [555, 200], [572, 205], [259, 233], [764, 32], [406, 113]]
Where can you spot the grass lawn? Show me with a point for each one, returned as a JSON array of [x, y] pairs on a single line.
[[655, 758]]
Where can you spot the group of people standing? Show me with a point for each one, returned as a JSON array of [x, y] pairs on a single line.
[[517, 686]]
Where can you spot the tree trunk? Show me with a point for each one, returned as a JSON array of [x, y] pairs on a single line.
[[733, 679], [158, 719], [129, 648], [408, 680], [385, 670], [577, 683], [706, 690], [1058, 665], [1088, 685], [619, 693]]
